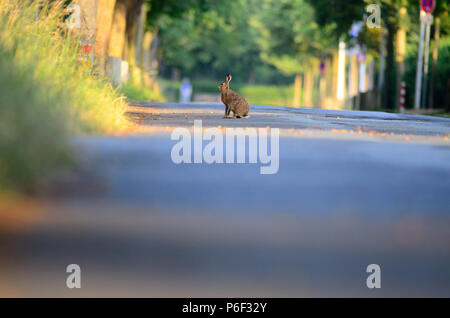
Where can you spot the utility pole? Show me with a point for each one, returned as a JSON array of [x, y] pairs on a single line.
[[341, 72], [400, 55], [426, 19], [419, 62], [428, 22]]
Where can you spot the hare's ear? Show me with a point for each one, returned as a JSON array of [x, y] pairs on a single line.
[[228, 78]]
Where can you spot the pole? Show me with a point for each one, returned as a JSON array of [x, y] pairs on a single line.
[[400, 54], [402, 97], [428, 21], [419, 63], [362, 76], [341, 71], [434, 57]]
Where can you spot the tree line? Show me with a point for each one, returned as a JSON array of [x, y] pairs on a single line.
[[274, 42]]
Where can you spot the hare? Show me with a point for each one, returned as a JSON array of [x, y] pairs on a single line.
[[233, 101]]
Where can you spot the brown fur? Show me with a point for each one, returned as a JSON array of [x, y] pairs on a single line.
[[232, 100]]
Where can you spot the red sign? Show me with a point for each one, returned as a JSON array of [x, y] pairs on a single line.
[[427, 5], [85, 49]]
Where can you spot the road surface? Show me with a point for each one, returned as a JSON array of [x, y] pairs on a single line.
[[353, 188]]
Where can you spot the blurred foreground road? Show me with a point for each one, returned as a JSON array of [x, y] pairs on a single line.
[[353, 189]]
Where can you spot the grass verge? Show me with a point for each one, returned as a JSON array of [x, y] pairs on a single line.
[[47, 95]]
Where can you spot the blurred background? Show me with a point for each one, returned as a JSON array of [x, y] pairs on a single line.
[[81, 183], [280, 52]]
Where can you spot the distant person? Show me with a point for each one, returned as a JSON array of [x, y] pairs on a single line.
[[185, 91]]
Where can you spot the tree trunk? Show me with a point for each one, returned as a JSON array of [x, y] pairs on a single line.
[[132, 19], [388, 91], [381, 70], [117, 37], [140, 36], [297, 90], [146, 51], [105, 14], [330, 73], [149, 60], [353, 76], [175, 74], [401, 50], [251, 76], [153, 51], [307, 99]]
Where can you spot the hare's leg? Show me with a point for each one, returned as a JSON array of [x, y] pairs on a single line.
[[227, 111]]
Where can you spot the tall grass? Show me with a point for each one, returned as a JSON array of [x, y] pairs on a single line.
[[46, 94]]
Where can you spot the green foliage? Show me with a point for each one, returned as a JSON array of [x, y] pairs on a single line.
[[140, 93], [441, 75], [220, 40], [289, 35], [47, 94], [176, 8], [33, 136], [338, 13], [254, 40], [268, 41]]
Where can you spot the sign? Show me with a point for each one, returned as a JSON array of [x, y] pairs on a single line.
[[82, 22], [74, 19], [322, 67], [428, 19], [427, 5], [86, 49]]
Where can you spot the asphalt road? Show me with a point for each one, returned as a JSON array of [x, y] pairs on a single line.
[[353, 189]]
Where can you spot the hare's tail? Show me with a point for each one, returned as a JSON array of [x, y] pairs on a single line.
[[246, 116]]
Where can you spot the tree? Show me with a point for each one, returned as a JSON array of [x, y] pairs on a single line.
[[441, 17], [134, 10], [293, 41], [342, 13], [339, 14], [219, 39]]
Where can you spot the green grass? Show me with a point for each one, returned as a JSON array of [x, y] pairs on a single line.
[[278, 95], [140, 93], [47, 95], [268, 94]]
